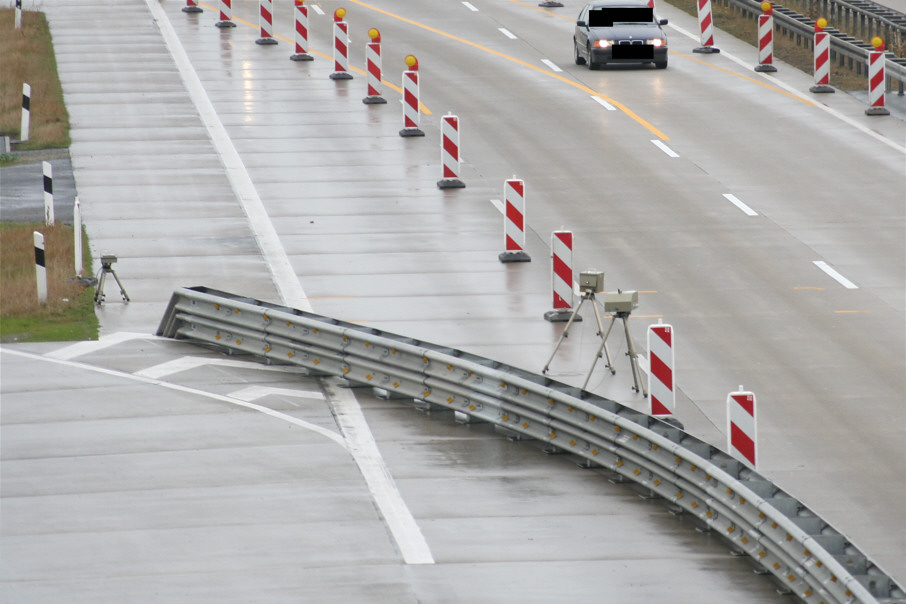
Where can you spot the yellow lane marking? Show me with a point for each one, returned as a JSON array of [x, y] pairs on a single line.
[[747, 78], [809, 287], [541, 70], [852, 312], [390, 85]]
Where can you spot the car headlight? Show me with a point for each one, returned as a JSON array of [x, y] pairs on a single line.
[[603, 43], [656, 42]]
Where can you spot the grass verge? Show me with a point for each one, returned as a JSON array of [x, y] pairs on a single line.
[[28, 58], [69, 311]]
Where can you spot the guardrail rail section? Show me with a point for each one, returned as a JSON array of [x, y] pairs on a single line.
[[784, 538]]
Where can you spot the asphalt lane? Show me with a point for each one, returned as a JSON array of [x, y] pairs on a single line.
[[373, 240]]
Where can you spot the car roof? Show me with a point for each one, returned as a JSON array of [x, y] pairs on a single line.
[[618, 3]]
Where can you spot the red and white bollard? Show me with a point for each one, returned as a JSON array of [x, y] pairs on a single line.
[[301, 33], [40, 267], [561, 277], [822, 58], [877, 79], [449, 153], [226, 14], [706, 26], [191, 7], [651, 4], [266, 22], [661, 392], [411, 110], [373, 68], [742, 429], [48, 193], [340, 46], [766, 39], [514, 222]]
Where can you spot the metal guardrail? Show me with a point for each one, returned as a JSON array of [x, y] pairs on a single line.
[[843, 46], [786, 540]]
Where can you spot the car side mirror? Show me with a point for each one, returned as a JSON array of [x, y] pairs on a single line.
[[581, 24], [662, 22]]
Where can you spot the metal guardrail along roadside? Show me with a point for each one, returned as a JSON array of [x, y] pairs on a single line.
[[785, 539], [867, 17]]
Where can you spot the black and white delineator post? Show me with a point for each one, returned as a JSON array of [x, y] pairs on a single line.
[[107, 261], [26, 113], [49, 217], [40, 267], [77, 236], [18, 14], [590, 283]]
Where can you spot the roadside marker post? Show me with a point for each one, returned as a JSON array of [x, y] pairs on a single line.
[[706, 26], [266, 23], [226, 14], [373, 68], [18, 18], [561, 277], [661, 363], [411, 109], [822, 58], [40, 267], [742, 427], [877, 80], [77, 236], [48, 193], [449, 153], [766, 39], [340, 46], [192, 7], [301, 37], [514, 222], [26, 113]]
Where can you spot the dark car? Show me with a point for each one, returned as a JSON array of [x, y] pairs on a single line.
[[619, 31]]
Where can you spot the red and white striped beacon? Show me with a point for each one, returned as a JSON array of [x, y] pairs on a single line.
[[514, 222], [822, 58], [301, 37], [340, 46], [562, 277], [411, 109], [266, 23], [706, 26], [742, 427], [449, 153], [661, 390], [226, 14], [766, 39], [877, 79], [192, 7], [373, 68]]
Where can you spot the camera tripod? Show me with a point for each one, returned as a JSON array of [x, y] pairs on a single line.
[[107, 267], [633, 356]]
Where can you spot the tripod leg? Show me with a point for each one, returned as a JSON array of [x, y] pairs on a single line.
[[563, 335], [603, 347], [633, 359], [605, 336], [99, 292], [122, 289]]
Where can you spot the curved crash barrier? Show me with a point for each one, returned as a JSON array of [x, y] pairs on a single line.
[[780, 534]]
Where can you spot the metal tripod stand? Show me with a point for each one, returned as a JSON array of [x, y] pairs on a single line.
[[586, 296], [107, 261]]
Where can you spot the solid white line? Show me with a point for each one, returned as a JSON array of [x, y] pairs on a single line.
[[601, 101], [835, 275], [660, 145], [318, 9], [506, 32], [498, 204], [749, 211], [365, 451], [282, 273], [469, 6], [188, 363], [551, 64], [253, 393], [79, 348], [186, 389], [781, 84]]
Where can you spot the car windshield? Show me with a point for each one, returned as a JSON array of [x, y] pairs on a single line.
[[606, 17]]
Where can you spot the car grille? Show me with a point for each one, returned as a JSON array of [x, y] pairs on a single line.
[[631, 42]]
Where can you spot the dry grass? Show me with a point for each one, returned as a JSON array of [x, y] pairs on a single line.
[[18, 292], [26, 56], [785, 49]]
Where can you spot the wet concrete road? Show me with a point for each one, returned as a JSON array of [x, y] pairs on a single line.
[[370, 238]]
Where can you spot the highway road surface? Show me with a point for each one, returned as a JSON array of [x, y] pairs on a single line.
[[765, 223]]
